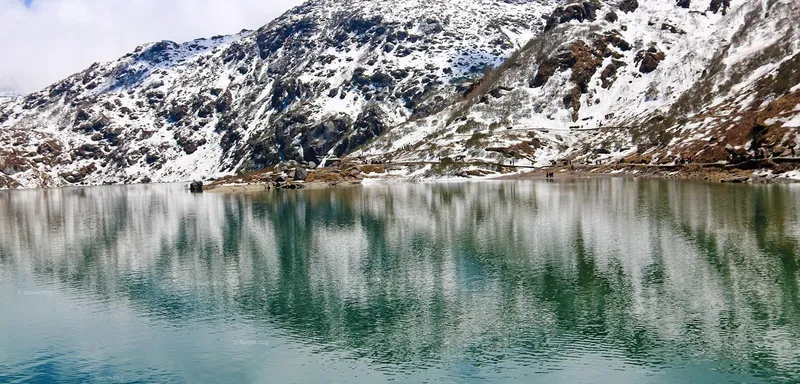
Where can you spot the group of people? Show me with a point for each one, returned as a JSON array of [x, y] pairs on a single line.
[[550, 175]]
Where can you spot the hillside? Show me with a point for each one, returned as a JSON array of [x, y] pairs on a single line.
[[482, 81]]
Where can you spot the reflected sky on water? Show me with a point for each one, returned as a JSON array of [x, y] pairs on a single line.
[[599, 280]]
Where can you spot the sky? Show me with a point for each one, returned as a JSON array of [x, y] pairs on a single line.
[[44, 41]]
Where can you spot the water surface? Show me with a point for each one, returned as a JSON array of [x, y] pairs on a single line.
[[593, 281]]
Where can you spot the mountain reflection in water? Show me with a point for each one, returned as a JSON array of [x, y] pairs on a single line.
[[601, 279]]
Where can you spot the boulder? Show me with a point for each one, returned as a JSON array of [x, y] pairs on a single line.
[[177, 112], [717, 5], [196, 187], [649, 59], [672, 29], [609, 74], [586, 10], [628, 6], [737, 154], [300, 174]]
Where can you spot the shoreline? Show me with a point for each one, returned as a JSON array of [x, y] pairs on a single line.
[[714, 173], [718, 173], [294, 177], [259, 187]]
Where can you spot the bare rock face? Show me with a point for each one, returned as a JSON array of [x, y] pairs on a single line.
[[368, 125], [609, 74], [300, 174], [628, 6], [580, 11], [649, 59], [583, 60], [196, 187], [672, 29], [719, 5]]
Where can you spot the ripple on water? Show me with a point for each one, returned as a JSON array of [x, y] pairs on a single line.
[[596, 280]]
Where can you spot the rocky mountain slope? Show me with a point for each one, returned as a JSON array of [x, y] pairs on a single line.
[[647, 81], [522, 81]]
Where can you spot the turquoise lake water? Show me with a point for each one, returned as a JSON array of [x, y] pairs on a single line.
[[583, 281]]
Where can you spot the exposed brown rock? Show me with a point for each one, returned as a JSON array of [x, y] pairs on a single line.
[[580, 11], [8, 182], [11, 164], [524, 150], [604, 42], [87, 151], [79, 174], [649, 59], [587, 61], [582, 60], [579, 57], [609, 74]]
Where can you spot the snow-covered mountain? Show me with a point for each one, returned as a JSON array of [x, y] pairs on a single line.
[[418, 80], [7, 95], [645, 80]]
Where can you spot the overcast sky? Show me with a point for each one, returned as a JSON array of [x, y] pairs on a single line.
[[43, 41]]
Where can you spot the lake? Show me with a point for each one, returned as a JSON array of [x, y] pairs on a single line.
[[605, 280]]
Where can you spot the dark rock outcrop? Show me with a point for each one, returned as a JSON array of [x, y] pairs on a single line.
[[177, 112], [270, 40], [286, 92], [224, 101], [581, 58], [629, 6], [609, 74], [580, 11], [196, 187], [719, 5], [649, 59], [300, 174], [672, 29], [368, 125]]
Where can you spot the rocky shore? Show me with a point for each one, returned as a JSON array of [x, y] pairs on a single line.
[[755, 173], [292, 175]]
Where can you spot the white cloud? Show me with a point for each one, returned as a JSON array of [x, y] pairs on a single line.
[[56, 38]]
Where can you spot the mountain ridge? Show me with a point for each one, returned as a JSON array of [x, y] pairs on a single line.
[[422, 82]]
